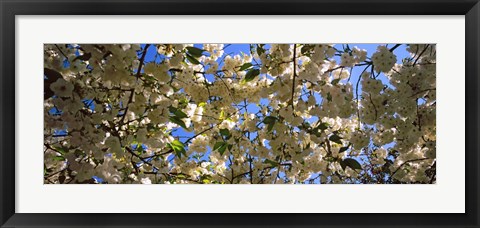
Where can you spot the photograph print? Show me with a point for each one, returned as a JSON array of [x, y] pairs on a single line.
[[239, 113]]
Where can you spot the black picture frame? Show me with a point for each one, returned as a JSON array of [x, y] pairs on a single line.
[[10, 8]]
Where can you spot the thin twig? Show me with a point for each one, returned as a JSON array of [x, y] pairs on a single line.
[[294, 75], [132, 91]]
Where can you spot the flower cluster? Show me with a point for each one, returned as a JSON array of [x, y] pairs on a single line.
[[383, 59]]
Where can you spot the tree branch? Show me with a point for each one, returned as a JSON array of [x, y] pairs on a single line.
[[132, 91], [294, 74]]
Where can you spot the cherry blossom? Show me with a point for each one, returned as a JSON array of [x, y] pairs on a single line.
[[277, 114]]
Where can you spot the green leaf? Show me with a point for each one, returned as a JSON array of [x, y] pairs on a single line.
[[251, 74], [306, 49], [192, 59], [260, 50], [177, 112], [245, 66], [177, 143], [270, 127], [178, 147], [61, 150], [343, 149], [323, 126], [225, 132], [178, 121], [220, 146], [149, 78], [270, 119], [222, 115], [335, 81], [336, 139], [78, 153], [195, 52], [343, 165], [273, 163], [140, 148], [184, 101], [270, 122], [352, 163], [58, 158], [329, 97]]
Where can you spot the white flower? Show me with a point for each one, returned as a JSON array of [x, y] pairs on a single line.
[[360, 55], [62, 88], [383, 59], [113, 144], [347, 60], [176, 60], [227, 124], [146, 180], [378, 156], [142, 134], [197, 116], [167, 90]]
